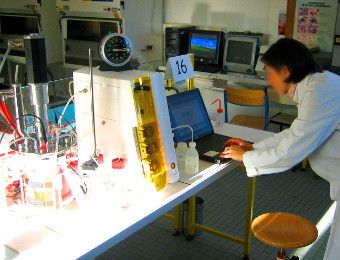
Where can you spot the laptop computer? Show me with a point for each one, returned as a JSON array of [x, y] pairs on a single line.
[[187, 108]]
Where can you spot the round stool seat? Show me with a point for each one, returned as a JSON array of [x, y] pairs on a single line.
[[284, 230]]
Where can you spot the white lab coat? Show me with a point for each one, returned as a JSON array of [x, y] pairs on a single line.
[[314, 134]]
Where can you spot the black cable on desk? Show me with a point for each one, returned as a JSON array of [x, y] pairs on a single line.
[[53, 84], [40, 120]]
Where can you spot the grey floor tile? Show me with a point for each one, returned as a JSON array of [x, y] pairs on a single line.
[[224, 208]]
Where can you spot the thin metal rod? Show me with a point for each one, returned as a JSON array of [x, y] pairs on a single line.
[[249, 214], [92, 104], [169, 216], [5, 57], [219, 233], [16, 74]]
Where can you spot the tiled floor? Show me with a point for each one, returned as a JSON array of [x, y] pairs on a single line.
[[225, 200]]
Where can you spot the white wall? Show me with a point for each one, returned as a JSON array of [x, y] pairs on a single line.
[[143, 25], [51, 31], [143, 18], [238, 15]]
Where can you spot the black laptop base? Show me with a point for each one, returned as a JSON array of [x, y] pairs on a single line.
[[210, 146]]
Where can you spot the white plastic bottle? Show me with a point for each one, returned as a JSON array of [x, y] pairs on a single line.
[[181, 149], [191, 159]]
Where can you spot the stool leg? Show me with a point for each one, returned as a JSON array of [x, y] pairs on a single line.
[[281, 254]]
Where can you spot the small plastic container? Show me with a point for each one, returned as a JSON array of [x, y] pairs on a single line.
[[191, 159], [11, 178], [181, 149]]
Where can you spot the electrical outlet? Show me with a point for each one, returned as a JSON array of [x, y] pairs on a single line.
[[147, 48]]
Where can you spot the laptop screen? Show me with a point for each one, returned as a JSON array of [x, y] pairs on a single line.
[[187, 108]]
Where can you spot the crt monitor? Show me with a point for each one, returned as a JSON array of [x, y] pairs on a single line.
[[19, 25], [241, 54], [206, 46], [187, 108]]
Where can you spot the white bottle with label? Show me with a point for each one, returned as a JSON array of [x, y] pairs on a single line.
[[191, 159], [181, 149]]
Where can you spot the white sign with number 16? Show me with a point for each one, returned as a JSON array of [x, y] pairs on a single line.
[[179, 68]]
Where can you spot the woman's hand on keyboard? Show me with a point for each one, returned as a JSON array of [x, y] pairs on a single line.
[[234, 152], [239, 142]]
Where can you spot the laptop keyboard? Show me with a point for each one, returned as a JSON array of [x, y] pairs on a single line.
[[212, 142], [210, 146]]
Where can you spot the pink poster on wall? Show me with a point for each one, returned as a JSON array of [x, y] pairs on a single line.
[[308, 25], [315, 23]]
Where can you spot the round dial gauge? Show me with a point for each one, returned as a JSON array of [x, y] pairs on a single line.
[[115, 49]]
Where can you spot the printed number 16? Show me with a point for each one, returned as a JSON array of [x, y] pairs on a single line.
[[181, 68]]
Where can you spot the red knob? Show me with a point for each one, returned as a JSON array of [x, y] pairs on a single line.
[[118, 163]]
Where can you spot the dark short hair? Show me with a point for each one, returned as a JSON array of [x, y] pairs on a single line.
[[295, 56]]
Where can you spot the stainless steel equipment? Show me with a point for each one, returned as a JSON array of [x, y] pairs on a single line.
[[38, 87], [33, 127]]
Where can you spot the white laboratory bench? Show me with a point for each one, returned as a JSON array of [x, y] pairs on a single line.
[[89, 229]]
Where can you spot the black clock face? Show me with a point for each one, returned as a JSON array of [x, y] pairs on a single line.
[[116, 50]]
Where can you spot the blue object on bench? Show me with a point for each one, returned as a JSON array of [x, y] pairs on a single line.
[[55, 113]]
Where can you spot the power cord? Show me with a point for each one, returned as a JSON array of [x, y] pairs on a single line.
[[40, 120]]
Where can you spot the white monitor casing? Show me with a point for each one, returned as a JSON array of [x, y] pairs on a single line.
[[238, 67]]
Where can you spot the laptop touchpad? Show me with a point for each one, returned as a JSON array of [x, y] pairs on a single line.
[[212, 153]]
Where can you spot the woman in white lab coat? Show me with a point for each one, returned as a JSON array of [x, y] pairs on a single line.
[[315, 133]]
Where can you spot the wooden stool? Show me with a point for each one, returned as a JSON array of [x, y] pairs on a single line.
[[284, 231]]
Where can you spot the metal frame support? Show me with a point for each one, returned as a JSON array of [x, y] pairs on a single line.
[[193, 226]]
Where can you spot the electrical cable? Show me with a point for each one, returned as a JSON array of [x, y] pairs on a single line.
[[64, 110], [40, 120], [68, 122], [22, 139], [58, 138], [68, 103], [62, 116], [69, 88], [52, 82]]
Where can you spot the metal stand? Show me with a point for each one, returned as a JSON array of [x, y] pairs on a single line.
[[193, 226]]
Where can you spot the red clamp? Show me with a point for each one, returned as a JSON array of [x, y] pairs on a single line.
[[100, 158]]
